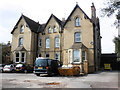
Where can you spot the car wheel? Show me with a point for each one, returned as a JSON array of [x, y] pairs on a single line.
[[37, 74]]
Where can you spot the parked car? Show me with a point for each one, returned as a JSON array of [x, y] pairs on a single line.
[[1, 67], [46, 66], [9, 68], [24, 68]]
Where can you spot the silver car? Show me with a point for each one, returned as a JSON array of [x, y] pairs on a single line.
[[9, 68]]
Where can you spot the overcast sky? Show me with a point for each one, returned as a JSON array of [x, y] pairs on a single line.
[[40, 10]]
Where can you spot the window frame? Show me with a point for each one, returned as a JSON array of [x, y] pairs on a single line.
[[47, 43], [57, 42], [77, 21], [22, 29], [58, 57], [22, 57], [84, 55], [20, 43], [40, 42], [76, 56], [17, 57], [47, 54], [49, 29], [54, 29], [76, 37]]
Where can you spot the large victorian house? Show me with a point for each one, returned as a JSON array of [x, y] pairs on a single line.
[[72, 41]]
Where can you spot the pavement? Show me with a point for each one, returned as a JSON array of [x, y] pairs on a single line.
[[105, 79]]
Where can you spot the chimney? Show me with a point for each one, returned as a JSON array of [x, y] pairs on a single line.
[[63, 19], [93, 12]]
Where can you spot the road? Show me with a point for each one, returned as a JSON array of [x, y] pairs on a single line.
[[104, 79]]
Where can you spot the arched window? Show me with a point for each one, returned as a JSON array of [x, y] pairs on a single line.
[[47, 43], [77, 37], [20, 41], [54, 29], [49, 30], [22, 29], [57, 42], [77, 21]]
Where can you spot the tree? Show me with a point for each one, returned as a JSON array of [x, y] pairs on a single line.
[[110, 9], [117, 43]]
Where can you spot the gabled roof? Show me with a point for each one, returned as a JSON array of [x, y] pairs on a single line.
[[21, 48], [57, 20], [77, 6], [31, 24], [78, 46]]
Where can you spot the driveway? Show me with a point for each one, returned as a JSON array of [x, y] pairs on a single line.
[[104, 79]]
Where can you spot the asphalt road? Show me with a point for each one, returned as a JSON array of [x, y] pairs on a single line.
[[104, 79]]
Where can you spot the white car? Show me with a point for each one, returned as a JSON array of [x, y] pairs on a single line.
[[9, 68]]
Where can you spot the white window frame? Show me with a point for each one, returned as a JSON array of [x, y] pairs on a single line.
[[21, 41], [78, 56], [77, 38], [57, 42], [17, 57], [84, 55], [54, 29], [47, 41], [77, 21], [23, 57], [49, 30], [20, 57], [22, 29]]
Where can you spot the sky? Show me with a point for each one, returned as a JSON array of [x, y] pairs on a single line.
[[40, 10]]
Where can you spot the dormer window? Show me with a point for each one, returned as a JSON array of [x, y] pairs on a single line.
[[22, 29], [49, 30], [77, 21], [54, 29]]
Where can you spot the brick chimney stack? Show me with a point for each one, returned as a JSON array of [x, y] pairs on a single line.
[[93, 12]]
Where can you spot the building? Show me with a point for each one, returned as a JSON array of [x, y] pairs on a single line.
[[72, 41]]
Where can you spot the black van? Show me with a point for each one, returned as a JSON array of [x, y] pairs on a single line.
[[46, 66]]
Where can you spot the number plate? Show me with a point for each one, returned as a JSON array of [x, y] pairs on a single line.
[[17, 69], [40, 67]]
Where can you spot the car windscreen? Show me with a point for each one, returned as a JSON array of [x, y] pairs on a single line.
[[19, 65], [41, 62], [7, 65]]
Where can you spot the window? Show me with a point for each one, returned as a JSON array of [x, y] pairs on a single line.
[[78, 37], [17, 57], [39, 55], [83, 55], [57, 56], [22, 29], [77, 21], [21, 41], [22, 57], [76, 56], [40, 43], [54, 29], [57, 42], [47, 55], [49, 30], [47, 43]]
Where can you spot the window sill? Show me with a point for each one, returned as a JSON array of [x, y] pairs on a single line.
[[78, 26], [76, 63]]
